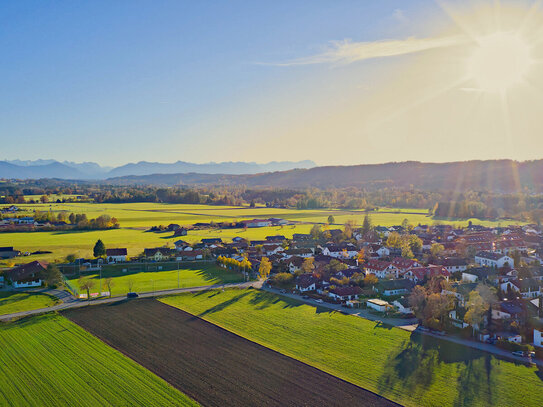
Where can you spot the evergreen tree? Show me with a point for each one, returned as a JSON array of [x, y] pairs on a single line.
[[99, 249]]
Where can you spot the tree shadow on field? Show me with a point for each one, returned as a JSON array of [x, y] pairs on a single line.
[[223, 305], [262, 300], [412, 369], [382, 325]]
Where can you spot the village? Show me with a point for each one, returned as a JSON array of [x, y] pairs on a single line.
[[477, 282]]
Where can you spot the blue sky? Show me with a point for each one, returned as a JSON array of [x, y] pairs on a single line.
[[123, 81]]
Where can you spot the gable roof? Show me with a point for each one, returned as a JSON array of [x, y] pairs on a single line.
[[30, 270]]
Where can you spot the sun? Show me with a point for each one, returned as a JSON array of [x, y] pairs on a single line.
[[499, 61]]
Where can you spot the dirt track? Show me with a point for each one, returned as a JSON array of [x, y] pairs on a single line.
[[214, 366]]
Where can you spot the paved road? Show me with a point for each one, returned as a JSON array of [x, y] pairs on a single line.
[[71, 302], [406, 324], [409, 324]]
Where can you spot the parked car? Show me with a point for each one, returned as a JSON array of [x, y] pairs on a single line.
[[319, 301], [530, 354], [305, 297], [132, 295], [517, 353], [283, 291]]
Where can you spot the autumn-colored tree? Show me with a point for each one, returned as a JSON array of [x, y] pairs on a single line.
[[307, 265], [361, 256], [436, 250], [477, 307], [394, 240], [370, 280], [417, 301], [264, 268]]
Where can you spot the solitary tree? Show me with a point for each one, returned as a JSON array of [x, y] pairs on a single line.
[[71, 258], [366, 225], [331, 220], [264, 268], [86, 284], [53, 277], [99, 249], [109, 283]]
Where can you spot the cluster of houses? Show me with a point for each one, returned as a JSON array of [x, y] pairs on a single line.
[[505, 258]]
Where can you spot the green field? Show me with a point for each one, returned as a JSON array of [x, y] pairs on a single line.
[[11, 301], [147, 278], [404, 367], [136, 218], [49, 361]]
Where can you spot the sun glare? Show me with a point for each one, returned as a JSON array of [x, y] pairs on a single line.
[[499, 61]]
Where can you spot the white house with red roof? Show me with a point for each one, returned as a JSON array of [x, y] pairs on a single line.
[[417, 274], [381, 269]]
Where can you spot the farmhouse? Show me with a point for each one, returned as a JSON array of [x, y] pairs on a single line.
[[157, 254], [8, 252], [492, 259], [116, 255], [256, 223], [27, 275]]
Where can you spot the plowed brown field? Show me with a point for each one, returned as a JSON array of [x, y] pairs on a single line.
[[214, 366]]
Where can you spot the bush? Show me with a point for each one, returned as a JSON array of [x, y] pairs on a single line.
[[282, 279], [512, 346]]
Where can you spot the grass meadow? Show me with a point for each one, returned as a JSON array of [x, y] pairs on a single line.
[[136, 218], [405, 367], [49, 361], [147, 277], [11, 301]]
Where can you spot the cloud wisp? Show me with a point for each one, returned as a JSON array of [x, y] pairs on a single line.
[[347, 51]]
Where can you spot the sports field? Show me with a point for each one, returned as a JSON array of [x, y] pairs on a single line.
[[11, 301], [49, 361], [148, 277], [136, 218], [404, 367]]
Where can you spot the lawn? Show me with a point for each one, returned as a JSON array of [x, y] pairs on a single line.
[[147, 277], [49, 361], [404, 367], [11, 302]]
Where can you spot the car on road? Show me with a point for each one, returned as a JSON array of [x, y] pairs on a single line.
[[305, 297], [517, 353], [132, 295], [319, 301], [283, 291]]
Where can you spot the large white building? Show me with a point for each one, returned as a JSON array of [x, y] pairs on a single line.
[[492, 259]]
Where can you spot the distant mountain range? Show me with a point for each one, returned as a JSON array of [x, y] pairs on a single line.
[[491, 175], [91, 171]]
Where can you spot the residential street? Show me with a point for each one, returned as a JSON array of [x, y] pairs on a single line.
[[406, 324], [71, 302]]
